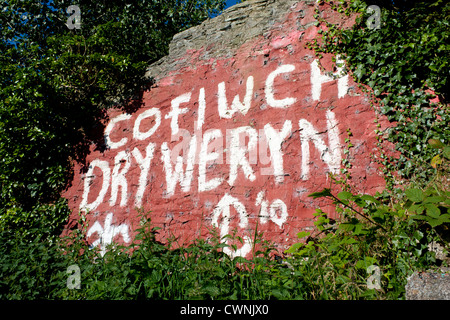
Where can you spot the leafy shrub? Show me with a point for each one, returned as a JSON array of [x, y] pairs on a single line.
[[370, 231], [145, 269], [30, 269]]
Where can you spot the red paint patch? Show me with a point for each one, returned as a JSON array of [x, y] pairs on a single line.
[[277, 205]]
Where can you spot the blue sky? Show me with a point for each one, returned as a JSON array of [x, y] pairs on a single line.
[[230, 3]]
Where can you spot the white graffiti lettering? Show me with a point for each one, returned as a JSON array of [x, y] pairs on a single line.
[[176, 111], [107, 233], [118, 179], [317, 79], [275, 140], [237, 154], [223, 208], [244, 147], [237, 105], [177, 175], [144, 165], [205, 156], [110, 127], [104, 166], [269, 90], [331, 155], [137, 134]]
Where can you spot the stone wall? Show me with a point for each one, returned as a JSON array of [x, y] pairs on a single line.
[[239, 127]]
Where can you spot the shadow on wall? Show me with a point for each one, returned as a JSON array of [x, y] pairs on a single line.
[[94, 139]]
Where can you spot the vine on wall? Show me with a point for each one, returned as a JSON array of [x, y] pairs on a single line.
[[403, 66]]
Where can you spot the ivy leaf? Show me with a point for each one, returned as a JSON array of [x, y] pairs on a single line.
[[360, 71]]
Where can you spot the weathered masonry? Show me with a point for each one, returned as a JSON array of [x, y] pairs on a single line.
[[240, 126]]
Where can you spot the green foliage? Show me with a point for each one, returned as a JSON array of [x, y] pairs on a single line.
[[146, 269], [48, 218], [30, 269], [402, 66], [331, 264], [368, 231], [431, 206]]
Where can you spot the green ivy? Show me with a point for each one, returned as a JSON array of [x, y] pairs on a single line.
[[370, 230], [402, 66]]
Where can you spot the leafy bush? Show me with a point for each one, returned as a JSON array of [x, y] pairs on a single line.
[[369, 231], [403, 66], [30, 269], [145, 269]]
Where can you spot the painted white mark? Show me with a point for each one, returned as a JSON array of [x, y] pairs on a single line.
[[223, 208], [177, 111], [269, 90], [104, 166], [237, 154], [275, 139], [119, 179], [270, 211], [107, 233], [318, 79], [263, 212], [237, 105], [206, 156], [244, 106], [330, 155], [144, 165], [177, 175], [275, 206], [109, 128], [153, 112]]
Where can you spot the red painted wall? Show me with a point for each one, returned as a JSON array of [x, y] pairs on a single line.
[[285, 109]]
